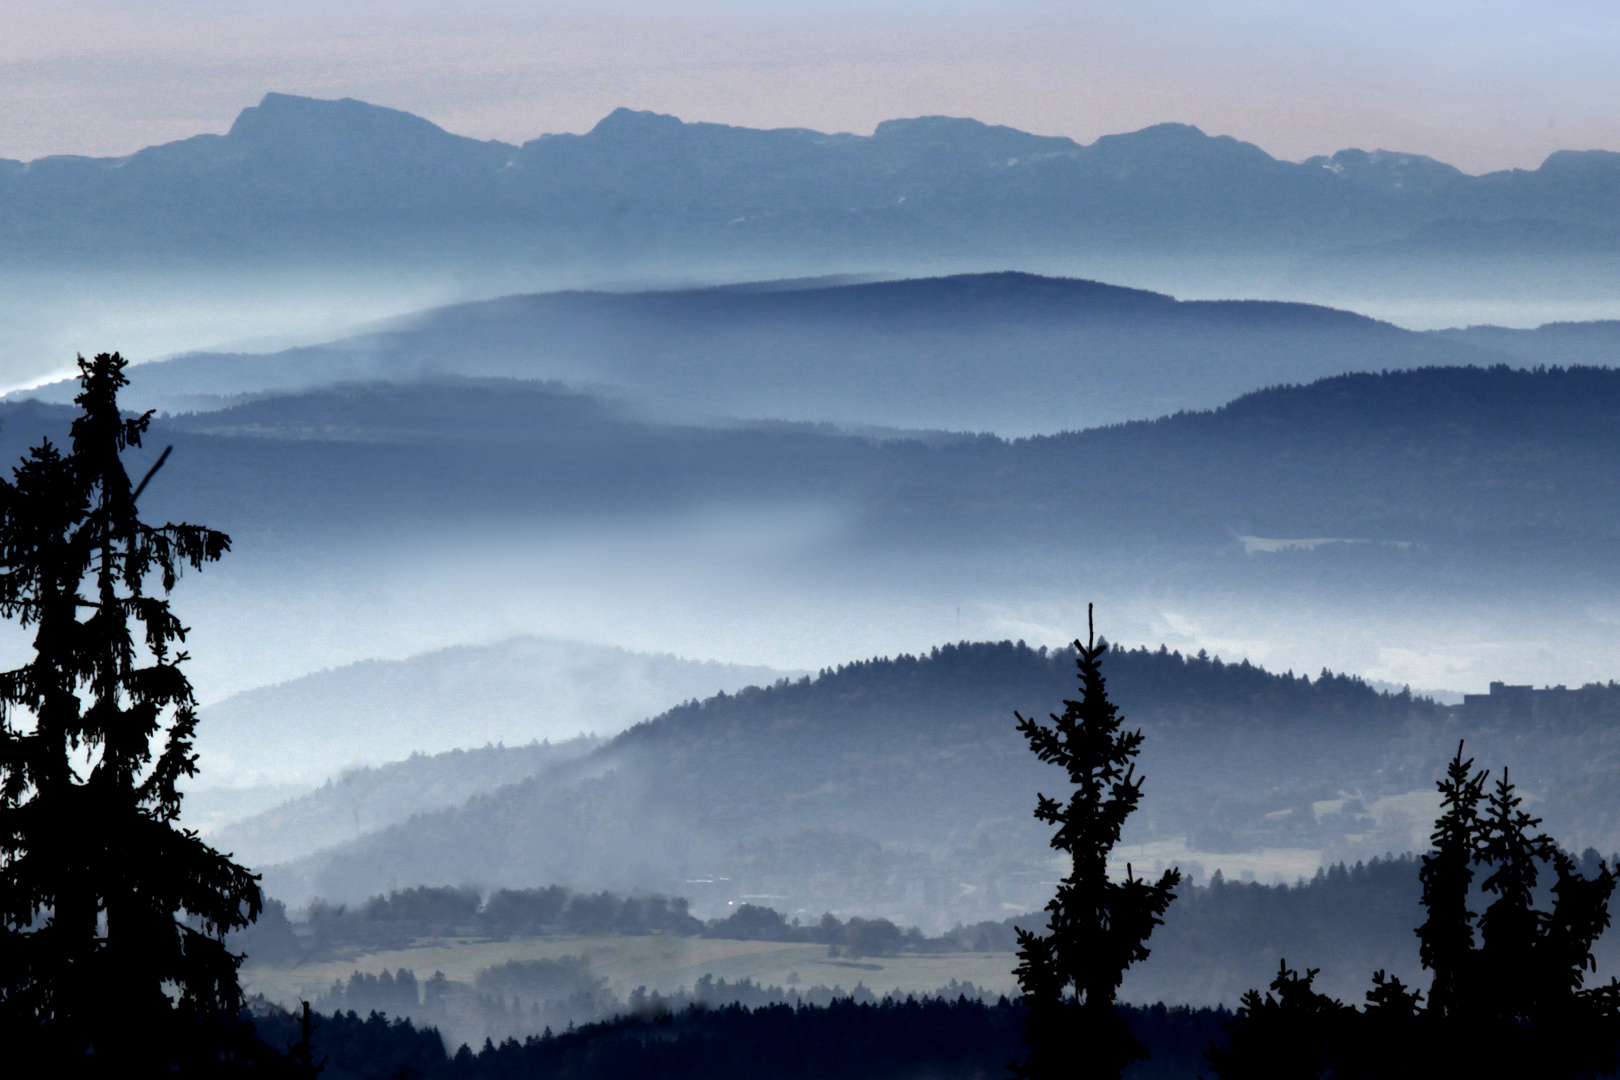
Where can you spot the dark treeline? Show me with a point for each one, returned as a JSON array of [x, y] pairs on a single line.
[[406, 915], [1510, 921], [521, 998], [844, 1040], [1219, 939]]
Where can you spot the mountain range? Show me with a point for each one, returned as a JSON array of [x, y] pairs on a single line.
[[297, 177]]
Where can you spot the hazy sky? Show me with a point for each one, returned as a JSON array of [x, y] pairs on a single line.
[[1478, 83]]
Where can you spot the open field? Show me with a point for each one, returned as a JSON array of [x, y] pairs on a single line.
[[659, 962]]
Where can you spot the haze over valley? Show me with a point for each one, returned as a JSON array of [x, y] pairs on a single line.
[[646, 541]]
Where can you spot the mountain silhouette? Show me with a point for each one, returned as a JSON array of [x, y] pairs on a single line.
[[299, 178]]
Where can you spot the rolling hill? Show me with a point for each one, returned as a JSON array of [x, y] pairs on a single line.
[[1593, 344], [1467, 462], [1448, 458], [899, 784], [1016, 354], [518, 691], [363, 800], [899, 787]]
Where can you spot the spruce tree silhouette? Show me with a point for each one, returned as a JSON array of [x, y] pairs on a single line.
[[113, 916], [1446, 938], [1510, 1002], [1097, 927]]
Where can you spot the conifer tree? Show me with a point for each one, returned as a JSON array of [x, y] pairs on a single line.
[[113, 916], [1446, 938], [1098, 927], [1291, 1031], [1510, 1003]]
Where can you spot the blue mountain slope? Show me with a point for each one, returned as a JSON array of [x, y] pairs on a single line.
[[1012, 353], [915, 751], [1594, 343], [1484, 465]]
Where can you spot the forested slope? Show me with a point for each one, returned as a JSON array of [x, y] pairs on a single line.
[[918, 753], [363, 800], [1476, 463], [899, 787]]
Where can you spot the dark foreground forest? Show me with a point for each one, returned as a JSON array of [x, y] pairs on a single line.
[[847, 1040]]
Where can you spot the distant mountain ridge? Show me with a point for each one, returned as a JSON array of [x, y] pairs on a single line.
[[1467, 463], [365, 800], [295, 177], [1595, 343], [1009, 352], [517, 691]]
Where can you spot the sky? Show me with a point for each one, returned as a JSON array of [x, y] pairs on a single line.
[[1483, 84]]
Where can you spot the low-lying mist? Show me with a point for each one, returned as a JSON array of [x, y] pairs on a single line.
[[787, 588], [521, 690], [49, 314]]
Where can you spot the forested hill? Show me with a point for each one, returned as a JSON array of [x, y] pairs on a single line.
[[1458, 459], [520, 690], [1161, 689], [916, 752], [362, 800], [1430, 455], [1463, 462], [1538, 401], [1475, 474]]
